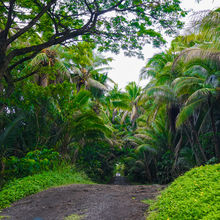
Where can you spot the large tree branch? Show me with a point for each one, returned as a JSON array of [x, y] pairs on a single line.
[[4, 5], [66, 35], [9, 20], [87, 5], [23, 60], [111, 8], [24, 77], [32, 23], [58, 37]]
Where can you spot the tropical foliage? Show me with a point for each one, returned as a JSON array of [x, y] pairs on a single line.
[[58, 104], [178, 123]]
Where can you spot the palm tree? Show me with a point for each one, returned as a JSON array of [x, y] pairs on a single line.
[[49, 66], [204, 92], [199, 84], [151, 142], [158, 68], [87, 65], [165, 95], [134, 96], [125, 103], [80, 123]]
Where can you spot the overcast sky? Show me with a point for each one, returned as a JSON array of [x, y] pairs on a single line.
[[127, 69]]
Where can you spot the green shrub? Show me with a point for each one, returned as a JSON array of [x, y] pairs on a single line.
[[98, 161], [34, 162], [195, 195], [23, 187]]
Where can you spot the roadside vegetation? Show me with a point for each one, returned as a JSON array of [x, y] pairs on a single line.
[[20, 188], [195, 195], [59, 106]]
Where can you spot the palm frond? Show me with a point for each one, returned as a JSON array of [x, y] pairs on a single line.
[[187, 111], [162, 94], [96, 84], [143, 136], [182, 85], [82, 97], [39, 59], [197, 53], [135, 140], [159, 89], [6, 133], [146, 147], [199, 94], [120, 104]]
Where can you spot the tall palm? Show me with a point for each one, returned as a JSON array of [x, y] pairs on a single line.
[[151, 142], [125, 103], [134, 96], [165, 95], [200, 84], [202, 91]]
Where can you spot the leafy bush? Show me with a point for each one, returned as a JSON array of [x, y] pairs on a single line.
[[34, 162], [195, 195], [98, 161], [20, 188]]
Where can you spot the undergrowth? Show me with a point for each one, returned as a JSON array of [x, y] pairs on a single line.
[[23, 187], [195, 195]]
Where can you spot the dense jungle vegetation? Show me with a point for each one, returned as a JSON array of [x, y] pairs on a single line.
[[58, 106]]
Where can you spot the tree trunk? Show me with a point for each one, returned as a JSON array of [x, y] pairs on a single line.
[[215, 136], [198, 161], [147, 169], [198, 142], [114, 114], [3, 59], [43, 80]]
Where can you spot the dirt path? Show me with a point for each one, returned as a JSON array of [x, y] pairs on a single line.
[[93, 202]]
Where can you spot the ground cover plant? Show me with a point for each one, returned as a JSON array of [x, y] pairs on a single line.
[[195, 195], [23, 187]]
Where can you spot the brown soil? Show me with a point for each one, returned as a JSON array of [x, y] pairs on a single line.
[[93, 202]]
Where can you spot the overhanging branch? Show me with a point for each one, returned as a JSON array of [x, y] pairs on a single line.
[[31, 24]]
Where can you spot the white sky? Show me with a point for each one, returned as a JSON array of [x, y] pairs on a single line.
[[127, 69]]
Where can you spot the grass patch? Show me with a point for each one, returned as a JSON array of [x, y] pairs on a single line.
[[23, 187], [74, 217], [4, 217], [195, 195], [148, 201]]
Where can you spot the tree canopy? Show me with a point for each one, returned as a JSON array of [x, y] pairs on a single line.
[[27, 27]]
